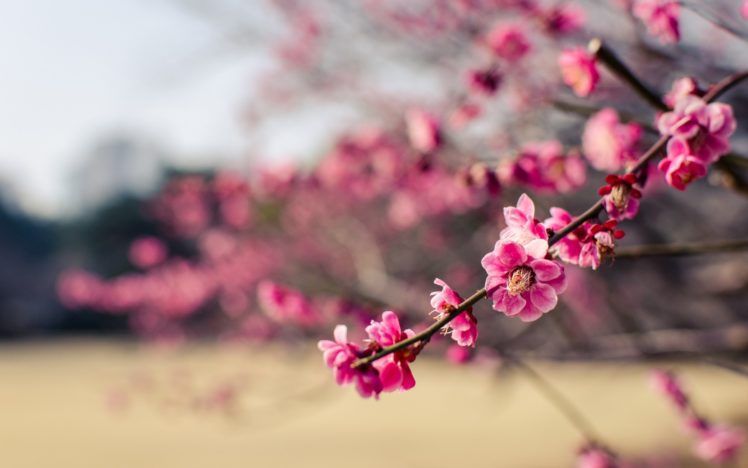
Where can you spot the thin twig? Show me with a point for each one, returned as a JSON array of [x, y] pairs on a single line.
[[681, 249]]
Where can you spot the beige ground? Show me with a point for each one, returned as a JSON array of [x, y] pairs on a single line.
[[54, 413]]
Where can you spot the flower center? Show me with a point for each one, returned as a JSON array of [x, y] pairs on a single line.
[[620, 196], [520, 280]]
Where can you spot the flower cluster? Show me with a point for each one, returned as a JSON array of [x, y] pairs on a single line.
[[586, 246], [579, 71], [660, 17], [700, 134], [714, 443], [543, 166], [609, 144], [387, 374]]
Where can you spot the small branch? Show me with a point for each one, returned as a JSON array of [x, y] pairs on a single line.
[[681, 249], [425, 335], [561, 403], [725, 85], [618, 68]]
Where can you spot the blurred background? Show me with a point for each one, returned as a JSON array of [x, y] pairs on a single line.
[[192, 193]]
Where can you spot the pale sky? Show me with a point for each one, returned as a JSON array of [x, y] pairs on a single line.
[[72, 71]]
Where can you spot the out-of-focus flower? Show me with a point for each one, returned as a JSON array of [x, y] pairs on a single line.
[[146, 252], [520, 281], [719, 444], [682, 87], [464, 327], [285, 304], [607, 143], [463, 115], [543, 166], [484, 82], [423, 130], [669, 386], [660, 17], [563, 18], [508, 41], [579, 71], [680, 166]]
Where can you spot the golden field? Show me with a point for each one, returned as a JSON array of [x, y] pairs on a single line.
[[104, 404]]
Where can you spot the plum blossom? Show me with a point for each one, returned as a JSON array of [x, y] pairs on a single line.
[[423, 130], [719, 444], [464, 327], [521, 225], [621, 196], [706, 128], [563, 18], [609, 144], [579, 70], [680, 166], [394, 369], [286, 304], [543, 166], [521, 282], [660, 17], [508, 41], [339, 356], [484, 82], [586, 246], [682, 87]]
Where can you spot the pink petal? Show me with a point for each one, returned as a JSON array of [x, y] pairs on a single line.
[[543, 297], [546, 270]]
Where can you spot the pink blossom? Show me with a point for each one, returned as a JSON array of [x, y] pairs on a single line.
[[146, 252], [339, 356], [508, 41], [521, 225], [521, 282], [682, 87], [706, 128], [484, 82], [680, 166], [464, 327], [660, 17], [569, 247], [744, 9], [457, 354], [394, 369], [579, 70], [607, 143], [668, 385], [563, 18], [543, 166], [285, 304], [593, 456], [621, 196], [587, 245], [719, 444], [423, 130]]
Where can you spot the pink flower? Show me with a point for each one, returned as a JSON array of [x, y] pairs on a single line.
[[607, 143], [706, 128], [587, 245], [147, 252], [508, 41], [423, 130], [394, 369], [563, 18], [621, 197], [595, 457], [484, 82], [680, 166], [457, 354], [464, 327], [520, 281], [569, 247], [668, 385], [521, 225], [339, 356], [719, 444], [660, 17], [682, 87], [286, 304], [543, 166], [744, 9], [579, 71]]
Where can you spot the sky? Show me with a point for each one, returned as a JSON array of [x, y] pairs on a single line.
[[74, 71]]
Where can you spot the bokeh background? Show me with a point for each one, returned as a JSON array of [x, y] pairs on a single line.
[[113, 110]]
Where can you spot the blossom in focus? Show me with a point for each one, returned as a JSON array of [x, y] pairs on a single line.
[[464, 327], [423, 130], [394, 369], [508, 41], [719, 444], [621, 196], [339, 356], [660, 17], [609, 144], [520, 281], [586, 246], [521, 225], [579, 71], [680, 166], [706, 128]]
